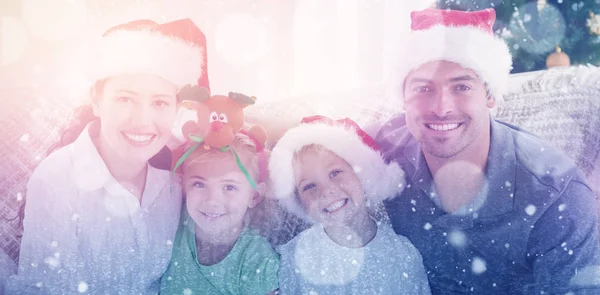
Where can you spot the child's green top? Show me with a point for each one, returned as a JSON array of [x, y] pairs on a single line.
[[250, 268]]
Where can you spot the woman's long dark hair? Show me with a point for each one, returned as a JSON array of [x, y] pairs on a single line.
[[81, 117]]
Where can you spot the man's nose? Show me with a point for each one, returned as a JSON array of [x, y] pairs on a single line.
[[443, 104]]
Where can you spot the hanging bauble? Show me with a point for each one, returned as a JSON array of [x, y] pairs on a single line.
[[537, 27], [558, 59]]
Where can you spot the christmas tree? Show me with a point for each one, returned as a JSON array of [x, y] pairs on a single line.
[[534, 29]]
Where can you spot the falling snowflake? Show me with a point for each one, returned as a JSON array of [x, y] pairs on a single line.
[[570, 252], [427, 226], [507, 183], [187, 291], [405, 275], [530, 210], [169, 242], [457, 239], [413, 202], [19, 197], [25, 137], [478, 266], [54, 244], [562, 207], [507, 245], [357, 169], [52, 262], [82, 287]]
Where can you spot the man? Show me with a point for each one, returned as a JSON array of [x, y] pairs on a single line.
[[491, 208]]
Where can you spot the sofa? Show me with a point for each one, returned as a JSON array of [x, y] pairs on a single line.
[[561, 105]]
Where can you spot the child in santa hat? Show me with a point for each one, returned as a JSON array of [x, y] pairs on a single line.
[[215, 251], [331, 174]]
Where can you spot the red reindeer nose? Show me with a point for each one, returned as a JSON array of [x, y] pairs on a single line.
[[216, 126]]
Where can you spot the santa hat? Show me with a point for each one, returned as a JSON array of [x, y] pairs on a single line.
[[175, 51], [344, 138], [462, 37]]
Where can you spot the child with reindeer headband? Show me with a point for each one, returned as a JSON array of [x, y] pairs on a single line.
[[330, 173], [224, 171]]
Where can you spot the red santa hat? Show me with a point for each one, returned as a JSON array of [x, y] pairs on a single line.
[[462, 37], [344, 138], [175, 51]]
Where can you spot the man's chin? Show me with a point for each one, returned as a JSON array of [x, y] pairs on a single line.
[[443, 151]]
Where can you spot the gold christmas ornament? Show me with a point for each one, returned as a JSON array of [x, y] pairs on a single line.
[[593, 23], [558, 59]]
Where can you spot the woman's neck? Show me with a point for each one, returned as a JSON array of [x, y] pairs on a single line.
[[355, 233], [130, 174], [212, 248]]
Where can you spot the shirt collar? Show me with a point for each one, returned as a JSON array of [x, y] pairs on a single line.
[[498, 192], [91, 173]]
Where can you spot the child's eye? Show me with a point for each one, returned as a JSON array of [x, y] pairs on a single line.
[[198, 184], [230, 188], [334, 173], [308, 187]]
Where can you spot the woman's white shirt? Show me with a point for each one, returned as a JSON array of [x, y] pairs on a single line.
[[84, 232]]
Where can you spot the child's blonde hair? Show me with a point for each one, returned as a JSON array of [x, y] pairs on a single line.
[[243, 146]]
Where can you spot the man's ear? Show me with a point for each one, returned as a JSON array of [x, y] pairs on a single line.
[[491, 101], [258, 195]]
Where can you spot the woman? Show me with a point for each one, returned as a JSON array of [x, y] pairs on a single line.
[[99, 218]]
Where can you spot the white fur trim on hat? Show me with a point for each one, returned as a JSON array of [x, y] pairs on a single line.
[[470, 47], [380, 180], [146, 52]]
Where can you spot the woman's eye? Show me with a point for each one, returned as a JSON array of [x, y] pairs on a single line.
[[125, 99]]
